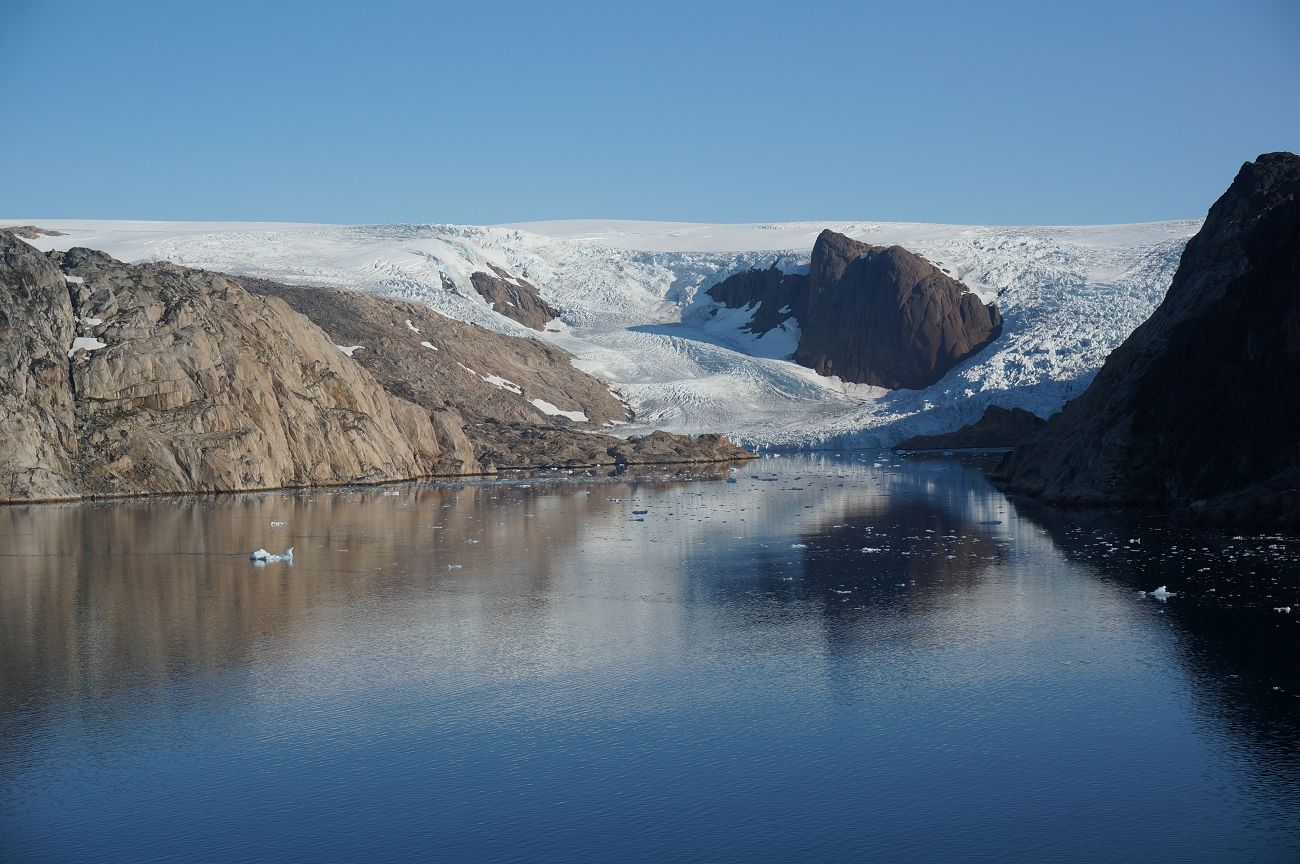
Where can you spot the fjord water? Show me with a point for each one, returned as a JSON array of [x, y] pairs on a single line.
[[831, 659]]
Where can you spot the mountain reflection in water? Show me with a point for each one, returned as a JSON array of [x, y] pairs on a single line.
[[828, 658]]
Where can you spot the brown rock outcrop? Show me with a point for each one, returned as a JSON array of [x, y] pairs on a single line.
[[869, 314], [514, 297]]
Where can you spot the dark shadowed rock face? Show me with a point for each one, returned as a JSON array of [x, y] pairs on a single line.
[[1200, 403], [999, 427], [514, 297], [776, 296], [870, 314]]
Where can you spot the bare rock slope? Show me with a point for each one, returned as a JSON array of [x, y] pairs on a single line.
[[492, 382], [1198, 407]]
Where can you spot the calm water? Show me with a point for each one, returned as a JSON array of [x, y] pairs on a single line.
[[826, 660]]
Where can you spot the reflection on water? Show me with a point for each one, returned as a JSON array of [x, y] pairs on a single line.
[[827, 658]]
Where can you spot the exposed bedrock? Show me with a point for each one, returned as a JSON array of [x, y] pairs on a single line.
[[1198, 408], [869, 314]]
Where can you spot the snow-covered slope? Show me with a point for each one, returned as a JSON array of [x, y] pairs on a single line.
[[633, 309]]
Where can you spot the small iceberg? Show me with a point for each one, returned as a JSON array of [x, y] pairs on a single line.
[[261, 556], [1161, 593]]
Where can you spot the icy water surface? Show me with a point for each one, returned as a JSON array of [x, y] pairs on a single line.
[[826, 660]]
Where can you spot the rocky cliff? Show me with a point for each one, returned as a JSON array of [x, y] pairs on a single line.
[[1198, 407], [38, 438], [162, 379], [869, 314], [135, 379]]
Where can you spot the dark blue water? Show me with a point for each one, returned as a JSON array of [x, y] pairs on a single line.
[[728, 677]]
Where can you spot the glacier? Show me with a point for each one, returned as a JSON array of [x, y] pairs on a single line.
[[633, 308]]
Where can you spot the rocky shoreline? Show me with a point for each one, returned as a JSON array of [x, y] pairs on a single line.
[[158, 379]]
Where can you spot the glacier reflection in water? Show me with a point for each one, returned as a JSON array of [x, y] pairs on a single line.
[[830, 659]]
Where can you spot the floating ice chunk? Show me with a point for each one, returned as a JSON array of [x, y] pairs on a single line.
[[1285, 610], [86, 343], [798, 545], [277, 524], [264, 557], [350, 349], [553, 411], [430, 346], [1162, 593]]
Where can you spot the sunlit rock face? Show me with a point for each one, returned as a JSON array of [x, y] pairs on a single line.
[[869, 314], [37, 438]]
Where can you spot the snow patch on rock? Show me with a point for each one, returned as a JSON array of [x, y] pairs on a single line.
[[552, 411], [85, 343]]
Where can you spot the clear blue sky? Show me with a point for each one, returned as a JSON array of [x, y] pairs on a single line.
[[478, 112]]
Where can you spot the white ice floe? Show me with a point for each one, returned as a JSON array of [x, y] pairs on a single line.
[[85, 343], [350, 349], [261, 556], [1161, 593], [553, 411]]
